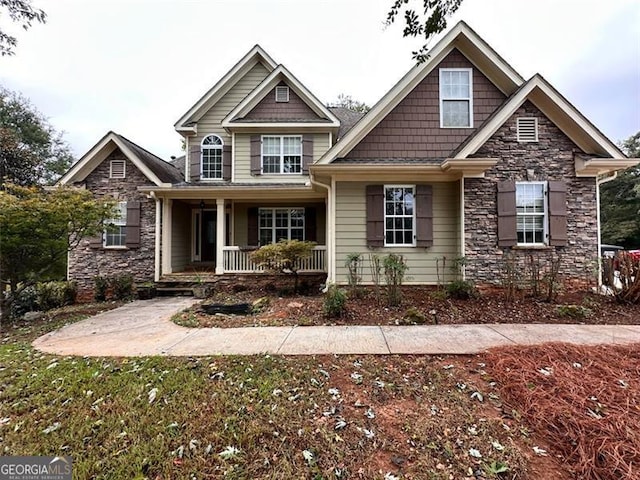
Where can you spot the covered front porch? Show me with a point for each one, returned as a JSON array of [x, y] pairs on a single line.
[[207, 232]]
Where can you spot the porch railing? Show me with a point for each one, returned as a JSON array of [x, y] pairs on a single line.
[[239, 261]]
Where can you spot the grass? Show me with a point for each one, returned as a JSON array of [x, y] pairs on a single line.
[[258, 417]]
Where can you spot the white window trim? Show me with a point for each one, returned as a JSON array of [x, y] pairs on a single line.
[[124, 169], [470, 99], [535, 125], [273, 218], [413, 224], [119, 222], [282, 88], [211, 147], [545, 218], [281, 172]]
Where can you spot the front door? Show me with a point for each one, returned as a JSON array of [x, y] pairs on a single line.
[[208, 238]]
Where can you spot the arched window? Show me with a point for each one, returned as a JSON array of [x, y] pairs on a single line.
[[211, 167]]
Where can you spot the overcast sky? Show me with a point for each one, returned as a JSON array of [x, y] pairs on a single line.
[[136, 66]]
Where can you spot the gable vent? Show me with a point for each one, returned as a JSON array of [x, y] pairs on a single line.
[[527, 129], [282, 94], [117, 169]]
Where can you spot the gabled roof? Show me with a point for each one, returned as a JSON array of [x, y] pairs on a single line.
[[278, 75], [246, 63], [557, 108], [348, 118], [460, 37], [154, 168]]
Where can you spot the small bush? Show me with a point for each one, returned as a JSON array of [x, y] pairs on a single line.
[[335, 301], [354, 276], [286, 256], [395, 268], [25, 301], [101, 284], [413, 316], [573, 311], [56, 294], [461, 290], [122, 286]]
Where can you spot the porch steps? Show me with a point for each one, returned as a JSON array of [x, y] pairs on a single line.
[[174, 291]]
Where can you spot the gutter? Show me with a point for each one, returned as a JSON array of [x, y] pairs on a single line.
[[600, 181]]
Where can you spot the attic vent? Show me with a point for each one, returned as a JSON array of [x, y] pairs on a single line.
[[527, 129], [117, 169], [282, 94]]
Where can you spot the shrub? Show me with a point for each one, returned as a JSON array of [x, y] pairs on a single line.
[[573, 311], [461, 290], [354, 275], [26, 301], [101, 284], [122, 286], [395, 268], [623, 277], [335, 301], [413, 316], [56, 294], [286, 256]]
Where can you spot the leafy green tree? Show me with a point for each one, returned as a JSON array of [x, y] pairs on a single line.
[[31, 150], [346, 101], [39, 227], [22, 12], [286, 256], [426, 23], [620, 202]]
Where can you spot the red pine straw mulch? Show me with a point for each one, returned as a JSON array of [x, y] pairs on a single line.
[[588, 407]]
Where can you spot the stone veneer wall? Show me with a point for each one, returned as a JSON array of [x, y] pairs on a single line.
[[86, 262], [551, 158]]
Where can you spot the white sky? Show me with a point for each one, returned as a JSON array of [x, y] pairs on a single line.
[[135, 66]]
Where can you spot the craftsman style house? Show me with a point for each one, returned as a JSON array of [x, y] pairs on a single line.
[[461, 158]]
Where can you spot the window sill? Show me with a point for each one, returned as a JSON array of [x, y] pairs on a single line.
[[532, 247], [450, 128], [114, 247], [211, 179], [400, 245]]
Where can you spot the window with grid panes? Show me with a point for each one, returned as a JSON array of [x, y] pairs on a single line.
[[399, 215], [211, 158], [277, 224], [282, 154], [531, 212], [456, 97], [115, 235]]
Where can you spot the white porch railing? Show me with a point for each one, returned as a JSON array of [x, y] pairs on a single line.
[[239, 261]]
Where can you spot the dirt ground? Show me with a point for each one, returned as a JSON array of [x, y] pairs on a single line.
[[420, 305]]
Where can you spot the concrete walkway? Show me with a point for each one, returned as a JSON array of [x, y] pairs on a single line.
[[144, 328]]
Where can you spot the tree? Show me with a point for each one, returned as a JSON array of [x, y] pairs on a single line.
[[22, 12], [31, 150], [346, 101], [286, 256], [39, 227], [620, 202], [432, 21]]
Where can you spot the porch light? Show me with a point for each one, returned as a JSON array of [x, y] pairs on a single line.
[[201, 204]]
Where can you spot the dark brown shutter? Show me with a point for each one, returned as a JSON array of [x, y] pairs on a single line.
[[424, 215], [256, 153], [307, 153], [96, 242], [252, 227], [132, 239], [226, 162], [507, 235], [375, 216], [194, 163], [557, 213], [310, 224]]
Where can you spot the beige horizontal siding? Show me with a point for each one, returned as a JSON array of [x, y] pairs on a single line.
[[243, 160], [351, 233]]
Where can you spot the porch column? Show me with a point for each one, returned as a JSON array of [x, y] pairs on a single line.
[[158, 243], [221, 225], [166, 235]]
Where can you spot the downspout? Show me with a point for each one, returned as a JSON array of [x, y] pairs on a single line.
[[600, 181], [329, 227]]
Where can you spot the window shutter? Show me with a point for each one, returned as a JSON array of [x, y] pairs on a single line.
[[132, 239], [226, 162], [194, 163], [96, 242], [375, 216], [252, 227], [256, 147], [424, 215], [507, 234], [307, 153], [310, 224], [557, 213]]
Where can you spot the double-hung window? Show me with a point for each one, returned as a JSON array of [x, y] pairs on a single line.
[[277, 224], [531, 213], [399, 215], [115, 234], [456, 99], [211, 158], [282, 154]]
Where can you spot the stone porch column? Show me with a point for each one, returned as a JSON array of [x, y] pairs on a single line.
[[166, 235], [221, 225]]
